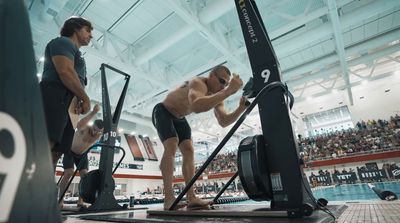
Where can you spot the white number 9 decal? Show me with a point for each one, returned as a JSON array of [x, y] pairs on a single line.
[[265, 74], [11, 167]]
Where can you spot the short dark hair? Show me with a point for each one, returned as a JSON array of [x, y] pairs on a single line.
[[98, 123], [220, 68], [73, 24]]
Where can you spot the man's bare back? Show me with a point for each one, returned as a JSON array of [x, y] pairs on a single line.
[[177, 101], [86, 135], [83, 139]]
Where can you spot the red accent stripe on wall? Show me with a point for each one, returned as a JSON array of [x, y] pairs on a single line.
[[353, 159], [213, 176], [125, 176]]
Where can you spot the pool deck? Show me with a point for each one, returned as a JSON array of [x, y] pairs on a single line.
[[372, 212], [356, 212]]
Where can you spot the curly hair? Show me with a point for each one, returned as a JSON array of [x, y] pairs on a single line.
[[73, 24]]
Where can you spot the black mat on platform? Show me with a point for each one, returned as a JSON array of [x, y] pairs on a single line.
[[74, 210], [204, 216]]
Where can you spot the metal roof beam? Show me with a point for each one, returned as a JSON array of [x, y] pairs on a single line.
[[314, 35], [337, 32], [352, 51], [214, 10], [206, 33]]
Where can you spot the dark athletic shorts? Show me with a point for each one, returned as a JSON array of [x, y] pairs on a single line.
[[65, 144], [56, 100], [70, 158], [169, 126]]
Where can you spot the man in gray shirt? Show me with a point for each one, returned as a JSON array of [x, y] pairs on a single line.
[[64, 76]]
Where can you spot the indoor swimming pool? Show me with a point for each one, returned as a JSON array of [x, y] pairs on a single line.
[[349, 192]]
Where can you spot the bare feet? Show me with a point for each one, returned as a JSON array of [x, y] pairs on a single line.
[[82, 205], [168, 203], [198, 203]]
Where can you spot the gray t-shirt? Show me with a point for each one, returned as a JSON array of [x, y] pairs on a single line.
[[63, 46]]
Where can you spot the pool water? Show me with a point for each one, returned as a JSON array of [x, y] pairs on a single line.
[[346, 192]]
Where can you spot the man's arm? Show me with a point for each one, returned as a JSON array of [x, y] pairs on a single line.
[[198, 100], [225, 119], [84, 121], [65, 69]]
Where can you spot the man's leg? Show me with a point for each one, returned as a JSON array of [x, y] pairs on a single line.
[[167, 165], [56, 152], [187, 150], [188, 169], [64, 146], [55, 156], [56, 114], [63, 183], [164, 123], [82, 174]]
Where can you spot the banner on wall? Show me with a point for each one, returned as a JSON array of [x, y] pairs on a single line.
[[93, 162], [135, 166], [395, 172], [321, 179], [134, 147], [148, 146], [344, 177], [374, 175]]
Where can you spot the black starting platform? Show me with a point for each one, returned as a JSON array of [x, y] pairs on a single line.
[[219, 213]]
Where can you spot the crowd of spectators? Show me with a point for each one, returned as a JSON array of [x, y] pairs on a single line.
[[370, 136], [366, 137], [223, 163]]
